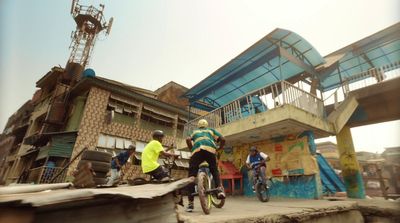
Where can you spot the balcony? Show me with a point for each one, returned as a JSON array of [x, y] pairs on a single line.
[[42, 175], [276, 110]]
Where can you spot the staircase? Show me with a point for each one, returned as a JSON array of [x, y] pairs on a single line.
[[342, 113]]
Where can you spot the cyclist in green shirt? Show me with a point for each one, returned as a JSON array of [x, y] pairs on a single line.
[[203, 145]]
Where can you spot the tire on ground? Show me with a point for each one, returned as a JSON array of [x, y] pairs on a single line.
[[97, 156], [202, 186], [97, 166]]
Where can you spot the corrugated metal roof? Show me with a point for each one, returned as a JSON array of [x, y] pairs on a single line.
[[46, 197], [139, 90], [374, 51], [278, 56]]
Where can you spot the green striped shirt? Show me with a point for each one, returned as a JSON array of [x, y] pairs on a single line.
[[205, 138]]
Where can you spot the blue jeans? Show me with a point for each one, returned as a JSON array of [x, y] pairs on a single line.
[[261, 174]]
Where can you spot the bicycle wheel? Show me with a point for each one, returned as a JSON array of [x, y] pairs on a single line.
[[262, 192], [203, 187], [218, 203]]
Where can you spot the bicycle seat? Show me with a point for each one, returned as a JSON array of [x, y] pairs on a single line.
[[204, 165]]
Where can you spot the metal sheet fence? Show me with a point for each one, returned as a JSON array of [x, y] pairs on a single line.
[[42, 175]]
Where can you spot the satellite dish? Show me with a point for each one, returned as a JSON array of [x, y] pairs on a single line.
[[109, 25]]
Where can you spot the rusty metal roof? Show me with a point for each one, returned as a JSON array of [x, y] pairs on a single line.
[[46, 197]]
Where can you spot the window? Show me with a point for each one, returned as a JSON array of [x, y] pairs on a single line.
[[153, 118], [123, 110], [108, 143]]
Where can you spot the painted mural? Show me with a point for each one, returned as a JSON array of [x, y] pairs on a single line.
[[292, 167]]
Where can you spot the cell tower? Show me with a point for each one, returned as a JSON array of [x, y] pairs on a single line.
[[90, 23]]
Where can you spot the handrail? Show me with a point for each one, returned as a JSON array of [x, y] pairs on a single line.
[[367, 78], [283, 92], [261, 100]]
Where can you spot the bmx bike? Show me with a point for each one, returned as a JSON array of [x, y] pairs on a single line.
[[206, 190]]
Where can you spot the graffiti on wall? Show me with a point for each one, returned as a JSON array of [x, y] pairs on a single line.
[[291, 165], [350, 168], [287, 157]]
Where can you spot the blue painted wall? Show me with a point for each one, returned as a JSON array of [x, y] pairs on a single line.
[[294, 187], [300, 186]]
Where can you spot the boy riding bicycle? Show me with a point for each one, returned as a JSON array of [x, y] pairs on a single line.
[[150, 156], [257, 162], [202, 143]]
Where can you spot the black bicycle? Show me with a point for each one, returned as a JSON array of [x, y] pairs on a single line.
[[167, 167], [261, 188], [206, 190]]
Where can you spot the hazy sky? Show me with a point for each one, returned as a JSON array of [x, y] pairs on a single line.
[[154, 42]]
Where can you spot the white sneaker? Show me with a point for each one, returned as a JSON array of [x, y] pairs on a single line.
[[165, 179]]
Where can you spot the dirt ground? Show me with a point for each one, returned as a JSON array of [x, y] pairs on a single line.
[[245, 209]]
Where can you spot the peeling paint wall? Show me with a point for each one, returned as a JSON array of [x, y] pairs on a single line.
[[293, 168]]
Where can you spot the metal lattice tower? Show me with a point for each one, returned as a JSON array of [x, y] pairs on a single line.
[[90, 22]]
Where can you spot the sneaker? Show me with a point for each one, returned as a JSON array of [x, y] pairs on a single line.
[[190, 207], [165, 179]]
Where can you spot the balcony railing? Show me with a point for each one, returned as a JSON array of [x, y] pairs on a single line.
[[362, 80], [42, 175], [259, 101]]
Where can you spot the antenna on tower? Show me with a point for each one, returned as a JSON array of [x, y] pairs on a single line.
[[110, 22], [73, 5], [90, 23]]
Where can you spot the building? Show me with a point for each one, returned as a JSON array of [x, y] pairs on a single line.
[[392, 155], [11, 140], [391, 169], [114, 115], [95, 112], [329, 151], [73, 109], [280, 95]]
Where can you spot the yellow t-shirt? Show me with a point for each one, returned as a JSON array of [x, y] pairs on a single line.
[[150, 156]]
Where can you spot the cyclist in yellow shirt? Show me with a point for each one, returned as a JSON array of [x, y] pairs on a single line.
[[150, 156]]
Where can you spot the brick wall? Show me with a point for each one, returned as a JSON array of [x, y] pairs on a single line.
[[94, 122]]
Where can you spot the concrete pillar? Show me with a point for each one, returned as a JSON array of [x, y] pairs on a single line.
[[350, 169]]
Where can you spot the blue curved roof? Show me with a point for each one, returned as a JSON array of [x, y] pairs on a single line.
[[375, 51], [280, 55]]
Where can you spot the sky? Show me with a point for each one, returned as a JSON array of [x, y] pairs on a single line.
[[154, 42]]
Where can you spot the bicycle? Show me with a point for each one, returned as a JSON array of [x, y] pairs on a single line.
[[168, 164], [261, 188], [206, 190]]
